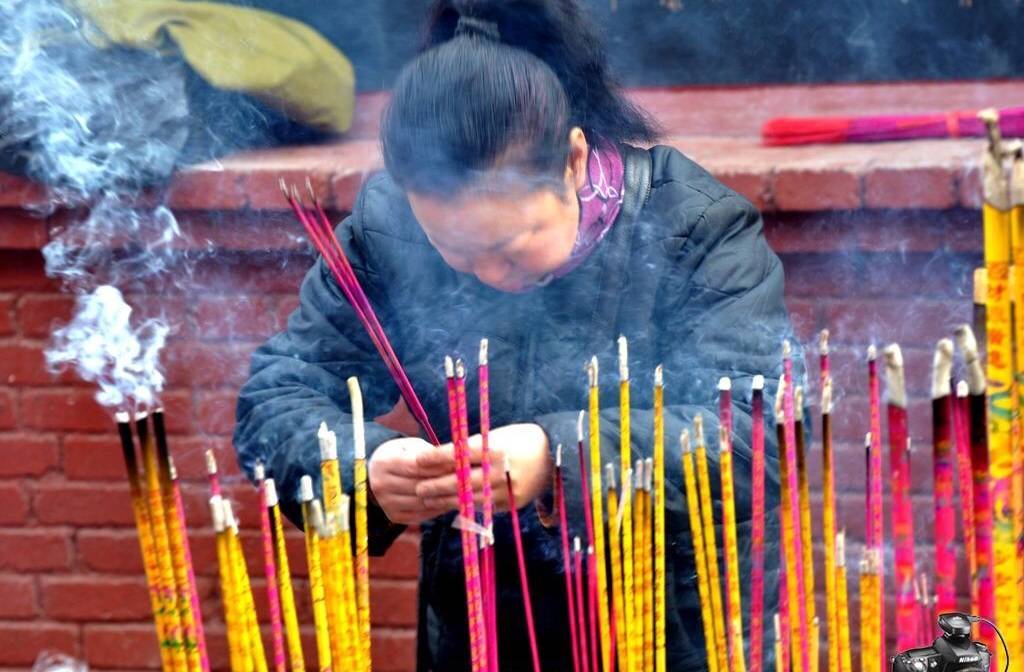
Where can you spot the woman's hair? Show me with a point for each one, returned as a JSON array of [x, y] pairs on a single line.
[[502, 90]]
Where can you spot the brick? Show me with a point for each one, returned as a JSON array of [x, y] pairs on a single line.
[[815, 190], [13, 504], [6, 316], [95, 598], [394, 602], [190, 457], [121, 646], [806, 318], [900, 321], [109, 551], [401, 560], [38, 314], [64, 409], [245, 317], [216, 412], [36, 550], [237, 274], [262, 186], [7, 420], [394, 650], [910, 187], [247, 230], [93, 457], [178, 414], [19, 597], [751, 184], [25, 364], [23, 271], [83, 504], [21, 643], [205, 188], [21, 231], [207, 364], [27, 455]]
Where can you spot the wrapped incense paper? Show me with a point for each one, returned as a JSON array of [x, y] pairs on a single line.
[[313, 524], [296, 661], [902, 510], [270, 570], [243, 591], [341, 615], [710, 544], [980, 294], [875, 522], [487, 567], [144, 531], [625, 455], [734, 609], [524, 584], [597, 506], [805, 508], [977, 404], [757, 525], [648, 568], [704, 588], [581, 625], [798, 599], [829, 523], [842, 605], [639, 541], [160, 521], [615, 560], [1017, 483], [570, 591], [658, 495], [590, 560], [996, 213], [942, 446], [787, 590], [238, 648], [362, 532]]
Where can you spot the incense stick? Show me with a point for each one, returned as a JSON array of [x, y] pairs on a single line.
[[615, 557], [487, 553], [875, 522], [270, 570], [780, 662], [902, 512], [787, 590], [708, 620], [659, 520], [243, 591], [734, 609], [524, 583], [1017, 480], [842, 604], [961, 431], [798, 603], [591, 562], [640, 540], [604, 616], [805, 513], [238, 650], [828, 506], [310, 511], [348, 581], [648, 564], [628, 662], [570, 595], [284, 580], [341, 615], [581, 627], [757, 525], [945, 517], [710, 544], [362, 534]]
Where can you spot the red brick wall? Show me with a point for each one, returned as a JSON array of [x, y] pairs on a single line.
[[70, 575]]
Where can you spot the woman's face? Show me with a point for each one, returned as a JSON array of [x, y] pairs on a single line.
[[510, 239]]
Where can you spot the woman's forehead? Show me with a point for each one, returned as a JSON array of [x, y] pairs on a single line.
[[481, 219]]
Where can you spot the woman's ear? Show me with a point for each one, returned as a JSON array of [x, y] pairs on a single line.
[[576, 170]]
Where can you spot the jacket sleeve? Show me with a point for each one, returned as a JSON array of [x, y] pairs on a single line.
[[298, 380]]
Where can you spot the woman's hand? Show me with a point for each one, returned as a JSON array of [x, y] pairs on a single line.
[[394, 475], [529, 460]]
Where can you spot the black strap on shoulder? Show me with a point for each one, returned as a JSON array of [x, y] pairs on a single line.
[[637, 187]]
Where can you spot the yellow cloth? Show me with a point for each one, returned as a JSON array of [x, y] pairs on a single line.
[[278, 60]]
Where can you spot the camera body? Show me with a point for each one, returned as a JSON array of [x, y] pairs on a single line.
[[952, 652]]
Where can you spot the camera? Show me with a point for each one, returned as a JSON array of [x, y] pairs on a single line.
[[953, 651]]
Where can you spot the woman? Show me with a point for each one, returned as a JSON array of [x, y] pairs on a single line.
[[512, 209]]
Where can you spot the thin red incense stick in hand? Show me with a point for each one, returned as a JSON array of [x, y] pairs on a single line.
[[757, 534], [487, 552], [521, 559], [570, 592]]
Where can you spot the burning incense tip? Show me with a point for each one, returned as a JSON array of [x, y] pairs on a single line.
[[787, 349], [757, 383], [141, 415], [309, 189], [328, 443], [894, 378], [283, 187], [316, 518], [358, 428], [798, 403], [779, 394], [609, 475], [867, 440], [841, 547], [659, 376], [171, 469], [217, 514], [724, 384], [449, 367], [344, 507], [638, 475], [306, 489], [723, 439], [684, 441], [576, 545], [482, 359], [258, 472], [648, 474], [508, 466], [592, 371], [872, 353], [961, 388], [823, 342], [211, 462], [981, 286], [270, 491], [778, 626], [122, 417], [942, 369], [826, 396], [698, 428], [229, 515], [623, 359], [460, 369], [558, 457], [579, 427]]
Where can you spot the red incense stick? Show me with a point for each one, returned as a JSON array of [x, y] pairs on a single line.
[[961, 431], [270, 568], [521, 559], [757, 534], [876, 522], [581, 627], [945, 516], [570, 593], [800, 608], [784, 522], [487, 553], [902, 511], [588, 516]]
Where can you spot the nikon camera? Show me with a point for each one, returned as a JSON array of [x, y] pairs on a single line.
[[952, 652]]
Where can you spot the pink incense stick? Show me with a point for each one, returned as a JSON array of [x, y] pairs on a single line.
[[487, 553], [876, 522], [945, 516], [577, 554], [478, 653], [794, 504], [588, 516], [757, 534], [521, 559], [270, 568], [570, 592], [785, 629], [211, 473], [966, 487]]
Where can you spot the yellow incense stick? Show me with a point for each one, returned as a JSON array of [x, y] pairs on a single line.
[[243, 588], [700, 557], [615, 557], [842, 605], [815, 646], [732, 557], [243, 634], [648, 569], [639, 541], [1017, 484], [597, 504], [181, 572], [348, 586], [779, 658], [161, 544], [868, 659], [788, 531], [236, 651], [284, 582], [361, 531], [629, 575], [710, 544], [626, 456], [341, 627], [312, 518], [659, 520], [803, 485]]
